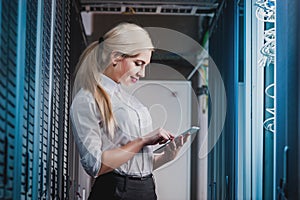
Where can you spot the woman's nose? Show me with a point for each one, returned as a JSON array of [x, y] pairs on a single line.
[[141, 73]]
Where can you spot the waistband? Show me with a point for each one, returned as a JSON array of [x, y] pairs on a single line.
[[131, 177]]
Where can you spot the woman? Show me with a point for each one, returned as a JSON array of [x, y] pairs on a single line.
[[112, 129]]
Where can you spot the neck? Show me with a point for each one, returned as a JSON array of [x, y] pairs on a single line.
[[109, 72]]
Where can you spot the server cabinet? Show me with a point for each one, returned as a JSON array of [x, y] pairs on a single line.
[[8, 80], [287, 100], [221, 159], [34, 88]]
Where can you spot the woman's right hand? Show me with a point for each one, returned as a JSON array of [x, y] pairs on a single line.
[[114, 158], [158, 136]]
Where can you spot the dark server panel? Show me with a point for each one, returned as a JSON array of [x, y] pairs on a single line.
[[8, 87]]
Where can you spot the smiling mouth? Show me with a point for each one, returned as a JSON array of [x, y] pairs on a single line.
[[134, 79]]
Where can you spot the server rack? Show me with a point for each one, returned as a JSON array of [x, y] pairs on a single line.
[[8, 114], [34, 93]]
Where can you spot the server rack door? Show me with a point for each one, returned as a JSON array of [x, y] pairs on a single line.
[[34, 88], [8, 84], [53, 169]]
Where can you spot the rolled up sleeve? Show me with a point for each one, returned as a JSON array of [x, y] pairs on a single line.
[[87, 133]]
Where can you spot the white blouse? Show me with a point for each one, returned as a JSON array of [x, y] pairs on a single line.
[[133, 120]]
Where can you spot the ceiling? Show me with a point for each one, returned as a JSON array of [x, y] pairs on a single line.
[[192, 18], [173, 7], [151, 2]]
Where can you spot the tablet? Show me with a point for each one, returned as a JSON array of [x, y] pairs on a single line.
[[192, 130]]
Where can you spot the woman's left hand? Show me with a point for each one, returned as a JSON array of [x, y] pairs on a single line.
[[170, 152], [172, 149]]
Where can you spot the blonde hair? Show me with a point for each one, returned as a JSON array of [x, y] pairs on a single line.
[[127, 39]]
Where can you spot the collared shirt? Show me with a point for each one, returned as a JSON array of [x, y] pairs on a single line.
[[133, 121]]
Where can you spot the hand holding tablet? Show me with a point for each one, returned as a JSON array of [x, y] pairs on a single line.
[[192, 130]]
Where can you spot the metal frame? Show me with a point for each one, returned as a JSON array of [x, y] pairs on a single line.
[[49, 134], [38, 62], [156, 8], [254, 80], [20, 61]]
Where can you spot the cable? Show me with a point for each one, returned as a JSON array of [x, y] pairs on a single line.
[[269, 47], [267, 90], [269, 122], [266, 12]]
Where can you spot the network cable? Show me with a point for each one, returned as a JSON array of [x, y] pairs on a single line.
[[266, 12]]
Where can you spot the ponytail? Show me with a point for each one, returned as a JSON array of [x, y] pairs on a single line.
[[104, 105], [87, 77]]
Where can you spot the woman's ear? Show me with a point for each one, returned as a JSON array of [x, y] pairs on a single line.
[[115, 57]]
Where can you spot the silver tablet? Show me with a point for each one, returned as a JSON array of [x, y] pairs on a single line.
[[192, 130]]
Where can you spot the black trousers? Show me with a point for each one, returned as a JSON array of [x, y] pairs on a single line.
[[112, 186]]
